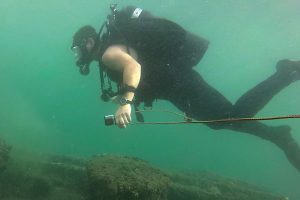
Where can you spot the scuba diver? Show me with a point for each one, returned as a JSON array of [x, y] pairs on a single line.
[[153, 58]]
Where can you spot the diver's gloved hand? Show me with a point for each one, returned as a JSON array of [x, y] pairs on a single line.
[[123, 115]]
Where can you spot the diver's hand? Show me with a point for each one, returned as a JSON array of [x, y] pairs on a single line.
[[123, 116]]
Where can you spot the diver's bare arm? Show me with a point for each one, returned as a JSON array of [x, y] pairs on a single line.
[[117, 58]]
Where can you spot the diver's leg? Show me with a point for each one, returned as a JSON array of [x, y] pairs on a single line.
[[279, 135], [190, 93], [256, 98]]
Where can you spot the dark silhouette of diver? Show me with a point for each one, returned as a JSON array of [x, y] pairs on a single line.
[[153, 58]]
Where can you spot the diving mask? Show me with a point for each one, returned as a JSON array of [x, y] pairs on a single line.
[[77, 52]]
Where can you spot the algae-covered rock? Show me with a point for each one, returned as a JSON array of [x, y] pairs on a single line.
[[126, 178], [111, 177], [4, 154], [205, 185], [32, 176]]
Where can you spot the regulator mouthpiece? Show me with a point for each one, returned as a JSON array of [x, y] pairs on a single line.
[[84, 69]]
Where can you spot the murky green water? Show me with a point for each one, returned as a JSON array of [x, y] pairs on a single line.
[[47, 106]]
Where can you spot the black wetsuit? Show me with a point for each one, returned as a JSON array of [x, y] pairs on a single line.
[[167, 54]]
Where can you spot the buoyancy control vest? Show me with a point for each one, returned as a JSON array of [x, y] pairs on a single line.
[[160, 44]]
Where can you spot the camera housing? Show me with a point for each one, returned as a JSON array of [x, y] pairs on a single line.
[[109, 120]]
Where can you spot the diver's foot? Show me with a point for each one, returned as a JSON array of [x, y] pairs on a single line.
[[292, 152], [284, 140], [290, 68]]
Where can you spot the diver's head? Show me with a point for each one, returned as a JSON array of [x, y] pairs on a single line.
[[84, 46]]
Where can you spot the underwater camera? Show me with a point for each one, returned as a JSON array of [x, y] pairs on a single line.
[[109, 120]]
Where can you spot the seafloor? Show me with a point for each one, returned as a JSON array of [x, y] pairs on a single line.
[[32, 176]]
